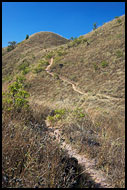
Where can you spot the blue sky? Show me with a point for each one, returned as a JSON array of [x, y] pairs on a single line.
[[64, 18]]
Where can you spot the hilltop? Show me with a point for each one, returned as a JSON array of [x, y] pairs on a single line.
[[30, 49], [78, 88]]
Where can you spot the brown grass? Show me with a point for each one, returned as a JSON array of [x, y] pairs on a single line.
[[100, 134], [30, 156]]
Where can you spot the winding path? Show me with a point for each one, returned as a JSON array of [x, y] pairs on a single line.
[[88, 165], [62, 78], [99, 96]]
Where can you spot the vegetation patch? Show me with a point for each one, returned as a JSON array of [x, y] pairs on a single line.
[[41, 66], [78, 112], [119, 21], [61, 53], [104, 64], [119, 53], [33, 159], [57, 115], [43, 63], [49, 55], [95, 66], [77, 41], [37, 69], [16, 97], [56, 76], [24, 67], [11, 46]]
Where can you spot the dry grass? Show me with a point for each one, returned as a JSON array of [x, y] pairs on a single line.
[[105, 145], [31, 158], [98, 70]]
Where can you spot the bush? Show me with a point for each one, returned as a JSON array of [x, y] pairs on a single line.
[[24, 67], [43, 63], [58, 115], [78, 112], [27, 36], [38, 70], [116, 16], [119, 53], [61, 53], [16, 97], [25, 71], [119, 20], [104, 64], [49, 55], [94, 26], [41, 66], [72, 38], [77, 41], [11, 46]]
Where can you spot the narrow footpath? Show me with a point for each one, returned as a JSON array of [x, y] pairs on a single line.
[[88, 165]]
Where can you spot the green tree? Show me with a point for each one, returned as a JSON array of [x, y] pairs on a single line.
[[72, 38], [27, 36], [116, 16], [11, 45], [95, 26]]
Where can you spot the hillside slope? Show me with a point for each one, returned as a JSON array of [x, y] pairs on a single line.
[[30, 49], [93, 121]]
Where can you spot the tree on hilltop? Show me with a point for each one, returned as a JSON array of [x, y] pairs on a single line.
[[11, 45]]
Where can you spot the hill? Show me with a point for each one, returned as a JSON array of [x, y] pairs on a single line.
[[78, 88], [30, 49]]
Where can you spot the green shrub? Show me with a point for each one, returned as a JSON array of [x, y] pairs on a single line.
[[77, 41], [57, 58], [25, 71], [20, 79], [41, 66], [11, 46], [78, 113], [84, 40], [61, 53], [104, 64], [27, 36], [119, 53], [43, 62], [119, 20], [95, 26], [16, 97], [38, 69], [23, 65], [72, 38], [7, 78], [49, 55], [58, 115], [60, 111]]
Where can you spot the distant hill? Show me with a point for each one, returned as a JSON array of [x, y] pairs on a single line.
[[36, 43]]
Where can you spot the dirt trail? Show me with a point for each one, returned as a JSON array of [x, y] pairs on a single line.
[[88, 165], [99, 96], [62, 78]]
